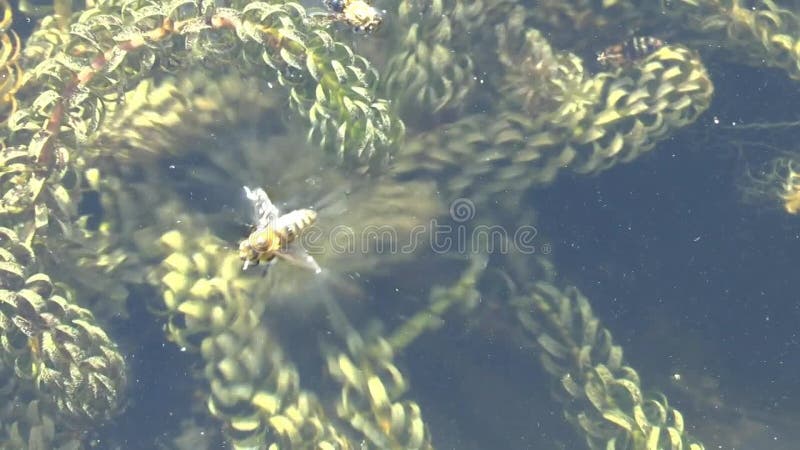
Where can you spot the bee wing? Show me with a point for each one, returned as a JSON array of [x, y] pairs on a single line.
[[296, 255], [264, 212]]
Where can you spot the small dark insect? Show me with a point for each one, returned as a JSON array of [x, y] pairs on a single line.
[[632, 50]]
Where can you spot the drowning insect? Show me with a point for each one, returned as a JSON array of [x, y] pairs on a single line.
[[274, 234]]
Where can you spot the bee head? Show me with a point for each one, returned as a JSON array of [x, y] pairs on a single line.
[[246, 252]]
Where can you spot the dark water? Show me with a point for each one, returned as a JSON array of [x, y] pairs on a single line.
[[693, 281]]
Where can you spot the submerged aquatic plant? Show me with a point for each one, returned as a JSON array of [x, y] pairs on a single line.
[[122, 122]]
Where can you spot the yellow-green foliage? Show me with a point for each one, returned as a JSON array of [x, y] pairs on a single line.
[[430, 61], [373, 386], [74, 80], [324, 80], [369, 402], [559, 116], [9, 63], [761, 33], [55, 348], [601, 395], [212, 308]]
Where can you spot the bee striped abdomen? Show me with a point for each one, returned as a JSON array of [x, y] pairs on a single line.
[[290, 225]]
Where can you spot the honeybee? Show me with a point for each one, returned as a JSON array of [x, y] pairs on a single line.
[[632, 50], [274, 235], [359, 14]]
